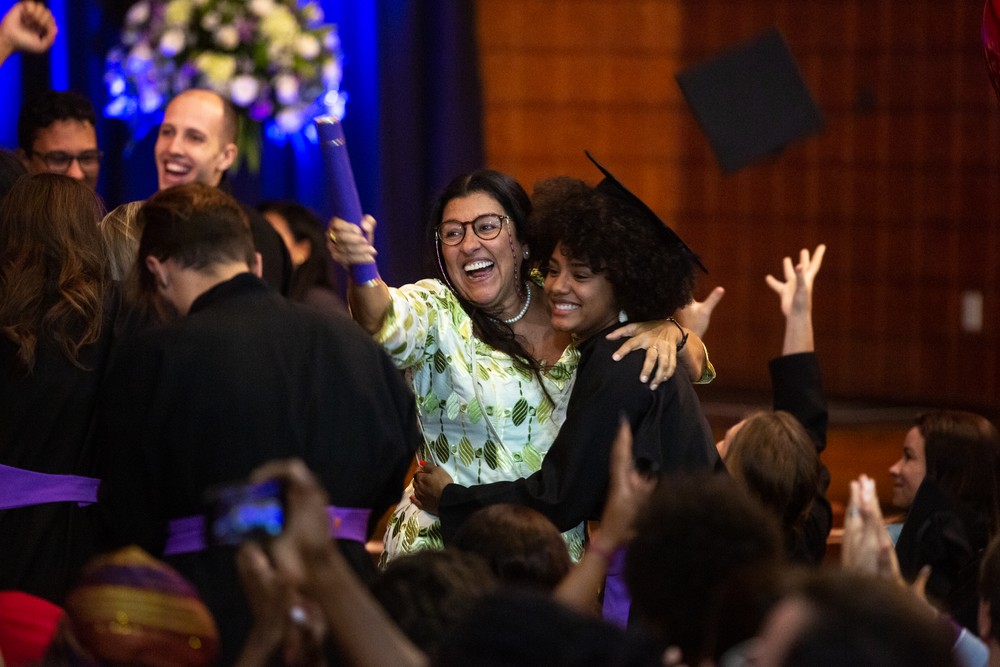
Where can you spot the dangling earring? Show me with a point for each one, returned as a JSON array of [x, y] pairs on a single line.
[[622, 317]]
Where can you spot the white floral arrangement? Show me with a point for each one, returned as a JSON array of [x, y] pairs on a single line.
[[274, 59]]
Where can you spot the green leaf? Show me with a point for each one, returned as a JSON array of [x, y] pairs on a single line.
[[490, 454], [475, 411], [531, 458], [453, 405], [440, 362], [441, 451], [520, 412], [430, 403], [482, 372], [410, 531], [466, 453], [544, 410]]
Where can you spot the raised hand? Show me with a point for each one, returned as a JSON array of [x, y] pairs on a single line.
[[28, 26]]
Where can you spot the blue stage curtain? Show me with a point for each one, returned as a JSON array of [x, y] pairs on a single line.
[[413, 117]]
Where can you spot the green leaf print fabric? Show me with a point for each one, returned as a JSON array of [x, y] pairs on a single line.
[[483, 420]]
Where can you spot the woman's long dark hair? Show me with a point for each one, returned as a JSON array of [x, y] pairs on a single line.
[[962, 450], [53, 273], [316, 271], [517, 205]]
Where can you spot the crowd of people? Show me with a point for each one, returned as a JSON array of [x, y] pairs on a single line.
[[528, 419]]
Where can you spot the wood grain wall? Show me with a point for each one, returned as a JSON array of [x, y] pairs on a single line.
[[903, 185]]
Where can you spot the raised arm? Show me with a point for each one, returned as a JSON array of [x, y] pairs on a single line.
[[305, 555], [796, 299], [27, 26], [350, 245], [795, 376]]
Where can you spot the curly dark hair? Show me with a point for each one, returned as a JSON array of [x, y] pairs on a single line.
[[651, 275], [45, 109]]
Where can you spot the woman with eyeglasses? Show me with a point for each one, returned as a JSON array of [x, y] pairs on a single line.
[[490, 374]]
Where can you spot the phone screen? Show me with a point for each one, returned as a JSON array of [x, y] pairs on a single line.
[[246, 512]]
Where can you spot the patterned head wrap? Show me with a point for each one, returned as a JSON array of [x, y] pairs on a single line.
[[131, 608]]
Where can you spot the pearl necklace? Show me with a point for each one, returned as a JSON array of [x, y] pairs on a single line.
[[524, 310]]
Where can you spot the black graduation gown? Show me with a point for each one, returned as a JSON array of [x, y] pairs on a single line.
[[246, 377], [670, 433], [46, 427]]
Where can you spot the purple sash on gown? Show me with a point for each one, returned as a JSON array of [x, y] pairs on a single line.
[[187, 534], [23, 488], [616, 598]]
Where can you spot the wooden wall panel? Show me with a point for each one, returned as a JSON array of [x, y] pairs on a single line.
[[903, 184]]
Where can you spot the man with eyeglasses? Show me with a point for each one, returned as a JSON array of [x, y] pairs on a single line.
[[55, 134]]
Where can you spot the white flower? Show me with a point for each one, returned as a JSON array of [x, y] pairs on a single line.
[[228, 37], [178, 12], [279, 26], [286, 88], [150, 99], [210, 21], [139, 58], [332, 73], [218, 68], [172, 42], [307, 46], [289, 120], [137, 13], [261, 7], [243, 90], [312, 12]]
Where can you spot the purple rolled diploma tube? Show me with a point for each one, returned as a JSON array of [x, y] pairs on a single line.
[[344, 193]]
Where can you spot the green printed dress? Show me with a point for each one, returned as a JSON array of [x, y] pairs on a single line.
[[483, 419]]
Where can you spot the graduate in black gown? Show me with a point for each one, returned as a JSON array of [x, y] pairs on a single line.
[[58, 314], [607, 259], [242, 377]]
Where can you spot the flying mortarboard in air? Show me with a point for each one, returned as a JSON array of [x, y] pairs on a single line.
[[751, 101]]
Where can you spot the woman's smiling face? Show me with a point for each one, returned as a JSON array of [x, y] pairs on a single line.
[[484, 272], [580, 301]]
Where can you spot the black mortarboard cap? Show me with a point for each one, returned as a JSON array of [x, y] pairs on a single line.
[[751, 100], [612, 186]]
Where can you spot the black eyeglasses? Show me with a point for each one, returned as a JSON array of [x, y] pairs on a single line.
[[486, 227], [58, 162]]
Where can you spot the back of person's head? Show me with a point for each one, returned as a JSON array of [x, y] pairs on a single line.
[[989, 592], [313, 268], [11, 169], [53, 276], [196, 225], [131, 609], [835, 618], [522, 547], [962, 450], [774, 457], [428, 592], [120, 233], [703, 566], [519, 627], [41, 111]]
